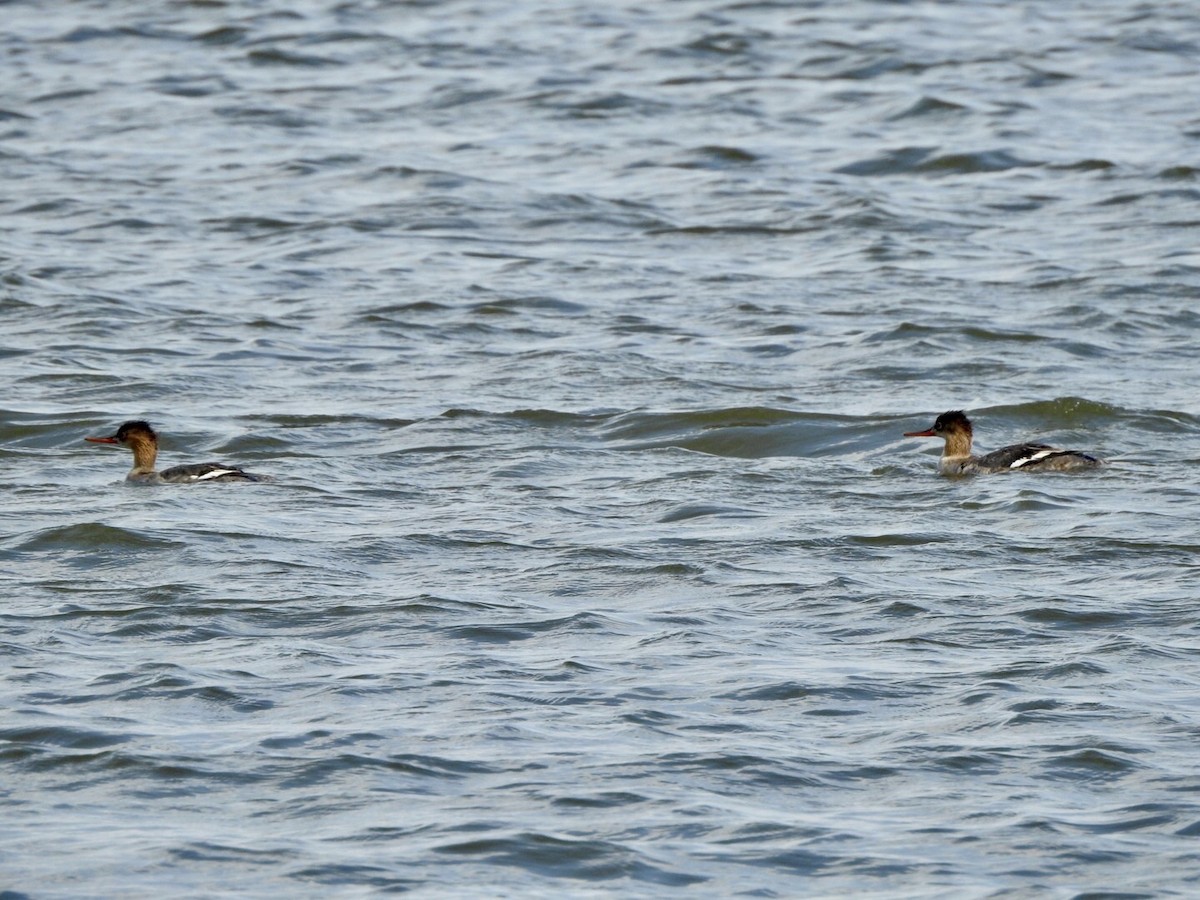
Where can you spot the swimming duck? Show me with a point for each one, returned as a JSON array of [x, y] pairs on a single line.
[[139, 437], [955, 429]]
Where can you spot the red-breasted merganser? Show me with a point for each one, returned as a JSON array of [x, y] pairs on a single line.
[[955, 429], [140, 438]]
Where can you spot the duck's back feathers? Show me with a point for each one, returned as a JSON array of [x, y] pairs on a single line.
[[1036, 456], [208, 472]]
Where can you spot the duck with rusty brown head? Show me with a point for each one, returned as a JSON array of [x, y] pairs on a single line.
[[139, 437], [955, 429]]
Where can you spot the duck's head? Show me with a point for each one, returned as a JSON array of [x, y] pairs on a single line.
[[130, 434], [948, 423]]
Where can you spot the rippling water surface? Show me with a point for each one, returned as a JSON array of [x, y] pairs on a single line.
[[580, 338]]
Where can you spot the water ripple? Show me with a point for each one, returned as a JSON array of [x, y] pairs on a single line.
[[581, 341]]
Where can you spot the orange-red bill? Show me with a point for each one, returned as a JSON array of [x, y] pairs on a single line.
[[107, 440], [928, 432]]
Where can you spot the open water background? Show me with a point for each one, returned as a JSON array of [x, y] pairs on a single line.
[[580, 337]]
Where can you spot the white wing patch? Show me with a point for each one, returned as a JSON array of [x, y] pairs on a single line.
[[215, 473], [1033, 457]]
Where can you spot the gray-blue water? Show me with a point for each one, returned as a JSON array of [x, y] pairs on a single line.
[[580, 338]]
